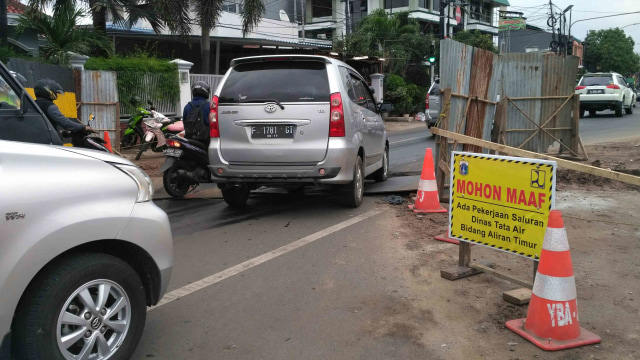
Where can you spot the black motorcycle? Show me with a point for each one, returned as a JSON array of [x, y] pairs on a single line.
[[186, 165], [85, 139]]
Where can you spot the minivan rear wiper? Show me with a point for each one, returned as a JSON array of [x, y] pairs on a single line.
[[262, 100]]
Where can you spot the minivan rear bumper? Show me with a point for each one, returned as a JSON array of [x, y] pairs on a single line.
[[336, 168]]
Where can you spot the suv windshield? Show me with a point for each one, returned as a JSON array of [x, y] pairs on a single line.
[[596, 80], [285, 81]]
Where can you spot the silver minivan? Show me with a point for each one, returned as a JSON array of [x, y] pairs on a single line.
[[83, 249], [295, 120]]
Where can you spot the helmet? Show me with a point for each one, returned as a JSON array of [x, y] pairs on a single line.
[[200, 88], [48, 89]]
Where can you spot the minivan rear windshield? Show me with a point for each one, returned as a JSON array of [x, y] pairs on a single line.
[[596, 81], [285, 81]]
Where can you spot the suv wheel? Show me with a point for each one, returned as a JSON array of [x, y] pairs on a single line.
[[592, 113], [582, 113], [383, 173], [354, 191], [618, 109], [85, 306], [235, 196], [629, 110]]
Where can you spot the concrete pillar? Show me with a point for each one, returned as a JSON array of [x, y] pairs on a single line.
[[77, 61], [377, 82], [185, 84]]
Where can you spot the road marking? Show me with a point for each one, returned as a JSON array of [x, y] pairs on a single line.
[[216, 278], [405, 140]]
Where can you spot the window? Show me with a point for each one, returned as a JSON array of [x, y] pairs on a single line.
[[232, 7], [481, 10], [597, 80], [423, 4], [285, 81], [362, 94], [389, 4], [8, 98], [436, 5], [347, 82], [322, 8]]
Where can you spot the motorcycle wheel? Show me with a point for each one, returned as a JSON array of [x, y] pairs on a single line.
[[173, 185], [128, 140]]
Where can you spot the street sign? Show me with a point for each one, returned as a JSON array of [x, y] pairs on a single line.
[[458, 14], [501, 202]]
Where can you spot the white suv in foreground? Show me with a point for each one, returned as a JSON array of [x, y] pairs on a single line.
[[602, 91]]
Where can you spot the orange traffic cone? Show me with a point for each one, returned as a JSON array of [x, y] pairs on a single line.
[[552, 318], [107, 140], [427, 198]]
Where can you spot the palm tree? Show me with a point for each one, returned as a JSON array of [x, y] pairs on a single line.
[[63, 34], [123, 12], [176, 15]]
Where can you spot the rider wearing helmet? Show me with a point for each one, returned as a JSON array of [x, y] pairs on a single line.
[[47, 91], [200, 92]]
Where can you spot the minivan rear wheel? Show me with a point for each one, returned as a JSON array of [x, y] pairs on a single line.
[[84, 306], [354, 191], [235, 196]]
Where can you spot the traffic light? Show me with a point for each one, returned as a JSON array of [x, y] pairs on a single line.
[[432, 59], [432, 51]]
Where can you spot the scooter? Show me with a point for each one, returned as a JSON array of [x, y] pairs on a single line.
[[166, 125], [83, 139], [134, 131], [186, 165]]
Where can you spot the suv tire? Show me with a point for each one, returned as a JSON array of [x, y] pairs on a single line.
[[38, 323], [383, 173], [582, 113], [354, 191], [592, 113], [629, 110], [235, 196], [618, 109]]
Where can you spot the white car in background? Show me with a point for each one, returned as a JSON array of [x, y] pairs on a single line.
[[602, 91]]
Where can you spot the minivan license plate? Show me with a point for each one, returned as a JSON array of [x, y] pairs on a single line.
[[272, 131]]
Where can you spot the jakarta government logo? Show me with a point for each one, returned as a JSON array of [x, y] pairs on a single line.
[[464, 168]]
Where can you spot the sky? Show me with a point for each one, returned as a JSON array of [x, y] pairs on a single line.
[[537, 11]]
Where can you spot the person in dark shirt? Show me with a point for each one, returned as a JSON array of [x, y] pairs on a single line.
[[200, 93], [47, 91]]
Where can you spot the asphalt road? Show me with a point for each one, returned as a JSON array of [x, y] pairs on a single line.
[[606, 127], [407, 149], [303, 303]]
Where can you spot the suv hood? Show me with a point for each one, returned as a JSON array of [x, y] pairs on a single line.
[[100, 155]]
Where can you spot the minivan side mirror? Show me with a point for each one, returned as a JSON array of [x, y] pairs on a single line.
[[385, 107]]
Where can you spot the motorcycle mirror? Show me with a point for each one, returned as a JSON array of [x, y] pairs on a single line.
[[91, 116]]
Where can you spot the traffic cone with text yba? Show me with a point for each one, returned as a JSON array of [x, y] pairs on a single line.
[[552, 318], [107, 141], [427, 198]]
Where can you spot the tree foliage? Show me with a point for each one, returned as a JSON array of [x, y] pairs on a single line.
[[611, 50], [395, 37], [476, 39], [63, 33]]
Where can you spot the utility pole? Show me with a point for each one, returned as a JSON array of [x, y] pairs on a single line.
[[347, 16], [442, 23], [4, 26], [304, 15], [295, 14]]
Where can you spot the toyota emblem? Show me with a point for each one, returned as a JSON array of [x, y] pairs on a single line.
[[270, 108]]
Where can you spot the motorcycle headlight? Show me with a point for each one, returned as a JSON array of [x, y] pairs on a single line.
[[145, 185]]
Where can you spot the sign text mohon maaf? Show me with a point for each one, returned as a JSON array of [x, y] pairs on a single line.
[[501, 202]]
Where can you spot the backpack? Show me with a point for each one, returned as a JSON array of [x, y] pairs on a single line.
[[194, 127]]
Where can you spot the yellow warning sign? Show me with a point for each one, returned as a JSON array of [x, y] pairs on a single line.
[[501, 202]]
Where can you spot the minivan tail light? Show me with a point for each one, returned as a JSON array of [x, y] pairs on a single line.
[[214, 130], [427, 102], [336, 119], [616, 87], [580, 87]]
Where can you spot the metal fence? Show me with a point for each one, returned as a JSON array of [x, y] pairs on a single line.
[[537, 83], [99, 96], [212, 80], [166, 103]]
